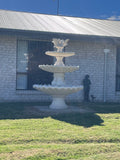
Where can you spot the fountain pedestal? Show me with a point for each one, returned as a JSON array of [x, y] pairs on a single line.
[[58, 79], [58, 89], [58, 102]]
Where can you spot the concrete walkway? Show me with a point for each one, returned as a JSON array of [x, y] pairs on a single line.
[[71, 109]]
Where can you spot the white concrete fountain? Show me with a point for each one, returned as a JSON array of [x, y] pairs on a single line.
[[58, 89]]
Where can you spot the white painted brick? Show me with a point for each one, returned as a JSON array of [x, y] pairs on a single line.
[[89, 56]]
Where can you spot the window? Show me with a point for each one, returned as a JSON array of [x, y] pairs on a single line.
[[118, 69], [30, 54]]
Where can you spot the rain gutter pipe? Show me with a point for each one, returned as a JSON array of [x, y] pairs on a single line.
[[106, 51]]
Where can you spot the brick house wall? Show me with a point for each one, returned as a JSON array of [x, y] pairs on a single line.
[[89, 56]]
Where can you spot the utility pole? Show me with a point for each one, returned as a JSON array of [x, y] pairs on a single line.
[[58, 4]]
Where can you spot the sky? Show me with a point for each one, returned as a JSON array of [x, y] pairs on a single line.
[[100, 9]]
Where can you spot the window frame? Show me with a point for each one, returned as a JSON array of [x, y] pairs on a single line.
[[26, 73]]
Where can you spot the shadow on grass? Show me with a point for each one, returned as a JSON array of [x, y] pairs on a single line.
[[81, 119], [90, 118], [27, 111]]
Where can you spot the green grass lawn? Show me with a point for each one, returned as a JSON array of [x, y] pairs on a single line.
[[26, 134]]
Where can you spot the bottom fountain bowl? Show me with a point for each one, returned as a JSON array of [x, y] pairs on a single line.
[[58, 94]]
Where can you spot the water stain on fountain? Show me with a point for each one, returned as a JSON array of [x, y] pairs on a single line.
[[58, 89]]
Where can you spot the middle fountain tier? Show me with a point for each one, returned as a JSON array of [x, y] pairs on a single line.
[[58, 90]]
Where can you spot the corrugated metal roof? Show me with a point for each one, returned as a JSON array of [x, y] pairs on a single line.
[[58, 24]]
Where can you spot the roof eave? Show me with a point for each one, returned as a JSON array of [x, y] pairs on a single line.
[[53, 34]]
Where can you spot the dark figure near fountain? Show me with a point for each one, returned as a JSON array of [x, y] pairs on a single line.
[[86, 84]]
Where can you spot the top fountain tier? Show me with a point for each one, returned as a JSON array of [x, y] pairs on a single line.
[[59, 44], [60, 54]]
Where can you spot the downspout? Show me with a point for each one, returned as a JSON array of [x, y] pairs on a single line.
[[106, 51]]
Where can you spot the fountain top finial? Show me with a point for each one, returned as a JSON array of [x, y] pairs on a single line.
[[60, 44]]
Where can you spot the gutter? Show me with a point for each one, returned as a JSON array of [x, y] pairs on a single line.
[[106, 51]]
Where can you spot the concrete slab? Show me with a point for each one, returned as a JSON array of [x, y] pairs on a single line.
[[71, 109]]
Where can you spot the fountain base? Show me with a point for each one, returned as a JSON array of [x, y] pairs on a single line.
[[58, 94], [58, 103]]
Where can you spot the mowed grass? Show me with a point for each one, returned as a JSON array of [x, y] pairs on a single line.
[[27, 134]]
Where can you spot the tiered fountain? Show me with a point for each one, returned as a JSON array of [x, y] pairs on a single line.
[[58, 89]]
